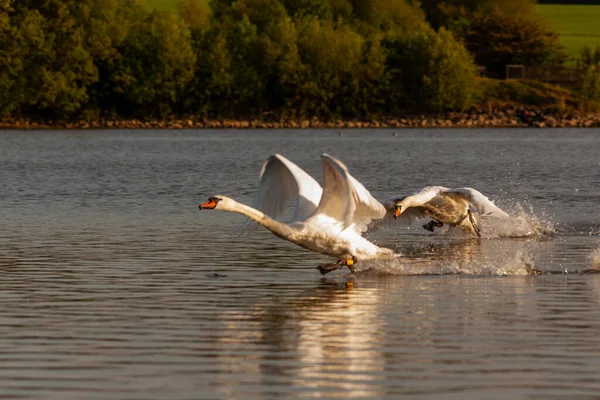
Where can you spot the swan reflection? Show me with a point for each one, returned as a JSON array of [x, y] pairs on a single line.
[[343, 340]]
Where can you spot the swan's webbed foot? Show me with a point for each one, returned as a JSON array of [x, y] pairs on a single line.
[[350, 264], [431, 225], [327, 268]]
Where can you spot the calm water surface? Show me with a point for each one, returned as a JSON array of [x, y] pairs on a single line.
[[114, 285]]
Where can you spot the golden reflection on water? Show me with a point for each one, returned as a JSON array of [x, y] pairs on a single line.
[[342, 338], [346, 338], [329, 334], [337, 341]]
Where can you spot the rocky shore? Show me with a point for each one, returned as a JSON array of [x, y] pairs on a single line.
[[475, 118]]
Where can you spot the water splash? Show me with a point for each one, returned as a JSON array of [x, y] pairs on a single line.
[[595, 257], [523, 223], [469, 257]]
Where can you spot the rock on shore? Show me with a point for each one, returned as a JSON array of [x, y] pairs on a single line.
[[501, 117]]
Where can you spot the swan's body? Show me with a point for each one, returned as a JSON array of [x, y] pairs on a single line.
[[456, 207], [328, 220]]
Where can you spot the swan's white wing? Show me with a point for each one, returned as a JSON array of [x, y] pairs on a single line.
[[479, 203], [427, 194], [282, 181], [345, 199]]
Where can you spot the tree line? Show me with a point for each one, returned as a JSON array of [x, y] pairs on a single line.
[[243, 58]]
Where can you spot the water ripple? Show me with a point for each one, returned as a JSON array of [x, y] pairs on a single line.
[[114, 286]]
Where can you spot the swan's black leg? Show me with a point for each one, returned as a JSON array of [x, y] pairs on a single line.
[[474, 223], [327, 268], [431, 225]]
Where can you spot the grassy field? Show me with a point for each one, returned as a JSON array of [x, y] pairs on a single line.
[[578, 25]]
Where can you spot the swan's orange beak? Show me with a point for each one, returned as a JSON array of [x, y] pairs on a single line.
[[397, 211], [209, 205]]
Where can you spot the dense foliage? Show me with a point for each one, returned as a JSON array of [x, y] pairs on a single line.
[[499, 32], [589, 74], [294, 58]]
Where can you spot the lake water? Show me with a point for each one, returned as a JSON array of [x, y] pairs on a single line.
[[113, 285]]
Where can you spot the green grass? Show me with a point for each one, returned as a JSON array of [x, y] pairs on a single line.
[[578, 25], [534, 93]]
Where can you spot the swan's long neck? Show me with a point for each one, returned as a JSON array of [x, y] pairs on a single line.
[[278, 228], [408, 201]]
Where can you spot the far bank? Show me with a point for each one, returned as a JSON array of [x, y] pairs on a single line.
[[496, 117]]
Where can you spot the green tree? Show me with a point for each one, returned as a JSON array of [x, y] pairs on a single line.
[[156, 63], [388, 14], [246, 61], [498, 32], [11, 66], [195, 13], [278, 62], [510, 32], [321, 9], [588, 66], [454, 15], [430, 71], [57, 66], [303, 8], [108, 25], [372, 82], [330, 55], [227, 81], [53, 52]]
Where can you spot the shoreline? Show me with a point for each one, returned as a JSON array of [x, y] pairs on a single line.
[[507, 117]]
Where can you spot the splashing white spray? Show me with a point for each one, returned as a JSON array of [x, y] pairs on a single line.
[[595, 256], [521, 224], [469, 257]]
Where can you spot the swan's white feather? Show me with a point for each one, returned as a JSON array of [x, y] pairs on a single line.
[[329, 221], [479, 203], [345, 199], [476, 201], [282, 181], [427, 194]]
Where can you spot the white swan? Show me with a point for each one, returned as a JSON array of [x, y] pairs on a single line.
[[455, 207], [329, 220]]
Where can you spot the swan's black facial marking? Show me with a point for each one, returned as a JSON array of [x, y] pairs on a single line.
[[397, 210], [210, 204]]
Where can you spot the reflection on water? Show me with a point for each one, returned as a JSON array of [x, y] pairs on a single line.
[[114, 286], [418, 336]]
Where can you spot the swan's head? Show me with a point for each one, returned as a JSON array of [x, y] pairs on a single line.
[[398, 208], [216, 203], [401, 204]]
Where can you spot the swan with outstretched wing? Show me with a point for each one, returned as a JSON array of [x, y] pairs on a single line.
[[282, 182], [456, 207], [328, 220]]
